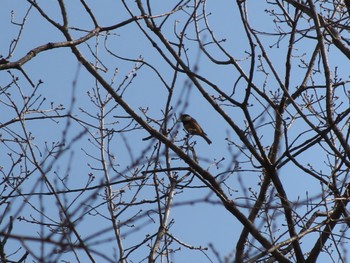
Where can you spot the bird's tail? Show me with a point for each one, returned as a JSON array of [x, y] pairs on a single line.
[[206, 139]]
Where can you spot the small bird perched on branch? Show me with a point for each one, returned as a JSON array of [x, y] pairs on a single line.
[[193, 128]]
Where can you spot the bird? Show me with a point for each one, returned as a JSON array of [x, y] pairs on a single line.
[[193, 128]]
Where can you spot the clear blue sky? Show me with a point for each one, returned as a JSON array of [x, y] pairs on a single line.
[[197, 225]]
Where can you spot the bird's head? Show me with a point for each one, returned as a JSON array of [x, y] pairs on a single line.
[[185, 117]]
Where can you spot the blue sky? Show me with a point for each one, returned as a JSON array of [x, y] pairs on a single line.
[[64, 79], [57, 69]]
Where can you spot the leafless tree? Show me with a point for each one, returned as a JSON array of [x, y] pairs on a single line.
[[95, 165]]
